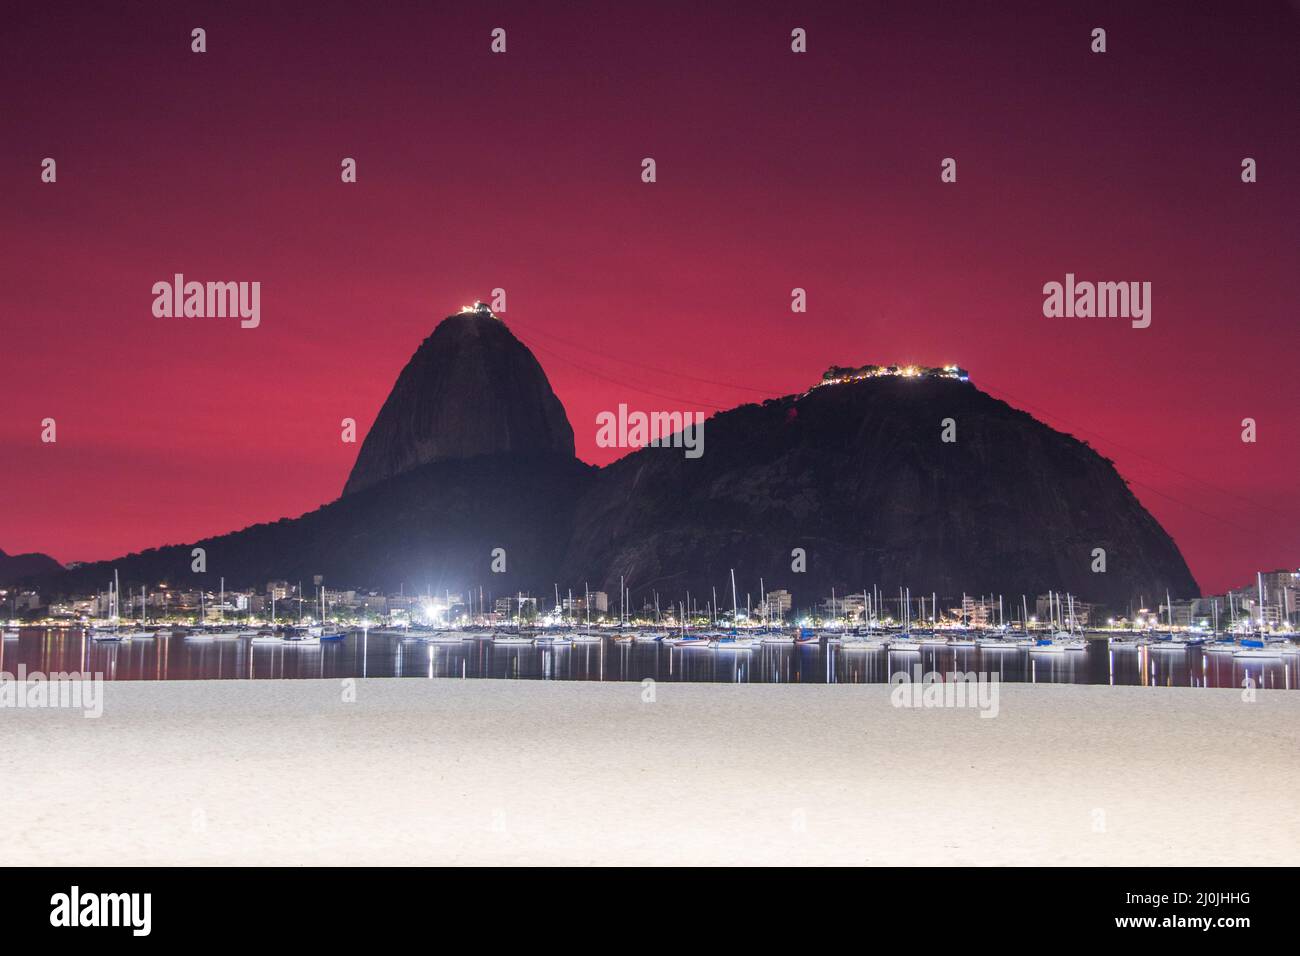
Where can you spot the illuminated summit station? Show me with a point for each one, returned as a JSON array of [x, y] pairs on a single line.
[[838, 374]]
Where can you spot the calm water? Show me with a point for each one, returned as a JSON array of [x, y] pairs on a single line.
[[372, 655]]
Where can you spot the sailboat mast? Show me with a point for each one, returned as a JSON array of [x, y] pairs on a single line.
[[735, 612], [1259, 581]]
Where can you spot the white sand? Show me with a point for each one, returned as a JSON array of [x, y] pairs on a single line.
[[490, 771]]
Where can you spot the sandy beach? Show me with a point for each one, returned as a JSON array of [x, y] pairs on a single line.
[[514, 772]]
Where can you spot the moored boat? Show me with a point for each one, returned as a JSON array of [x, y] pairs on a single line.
[[808, 636], [506, 637], [731, 642], [693, 640], [1256, 649]]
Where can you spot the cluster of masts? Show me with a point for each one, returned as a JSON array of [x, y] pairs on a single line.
[[872, 609]]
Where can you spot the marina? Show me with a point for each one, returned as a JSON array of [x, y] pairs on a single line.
[[623, 655]]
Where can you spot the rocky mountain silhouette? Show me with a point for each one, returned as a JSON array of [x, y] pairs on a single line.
[[470, 389], [472, 451], [857, 476]]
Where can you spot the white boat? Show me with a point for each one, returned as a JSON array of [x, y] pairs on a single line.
[[646, 637], [1257, 652], [870, 645], [1173, 644], [554, 640], [10, 634], [443, 637], [905, 642], [998, 644], [780, 638], [200, 636], [728, 643], [506, 638], [1253, 648], [101, 635], [862, 642], [1125, 643], [267, 639], [1049, 645], [302, 639], [583, 637]]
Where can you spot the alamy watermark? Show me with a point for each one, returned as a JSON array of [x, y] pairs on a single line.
[[624, 429], [208, 300], [75, 908], [924, 690], [1102, 300], [34, 689]]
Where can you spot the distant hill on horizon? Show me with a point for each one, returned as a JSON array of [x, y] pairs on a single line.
[[16, 567]]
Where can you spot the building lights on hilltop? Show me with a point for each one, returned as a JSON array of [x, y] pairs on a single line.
[[478, 308], [838, 374]]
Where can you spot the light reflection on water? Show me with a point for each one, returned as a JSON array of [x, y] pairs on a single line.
[[375, 655]]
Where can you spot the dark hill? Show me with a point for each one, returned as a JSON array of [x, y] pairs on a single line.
[[472, 451], [856, 474], [15, 567], [470, 389], [432, 527]]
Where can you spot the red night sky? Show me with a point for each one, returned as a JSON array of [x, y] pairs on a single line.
[[522, 171]]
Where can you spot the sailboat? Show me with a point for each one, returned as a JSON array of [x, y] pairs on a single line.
[[140, 631], [732, 640], [905, 642], [1073, 641], [222, 633], [11, 633], [1172, 642], [335, 634], [273, 637], [1258, 646], [1056, 643], [103, 635], [687, 639]]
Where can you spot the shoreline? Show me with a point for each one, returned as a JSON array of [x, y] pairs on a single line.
[[449, 771]]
